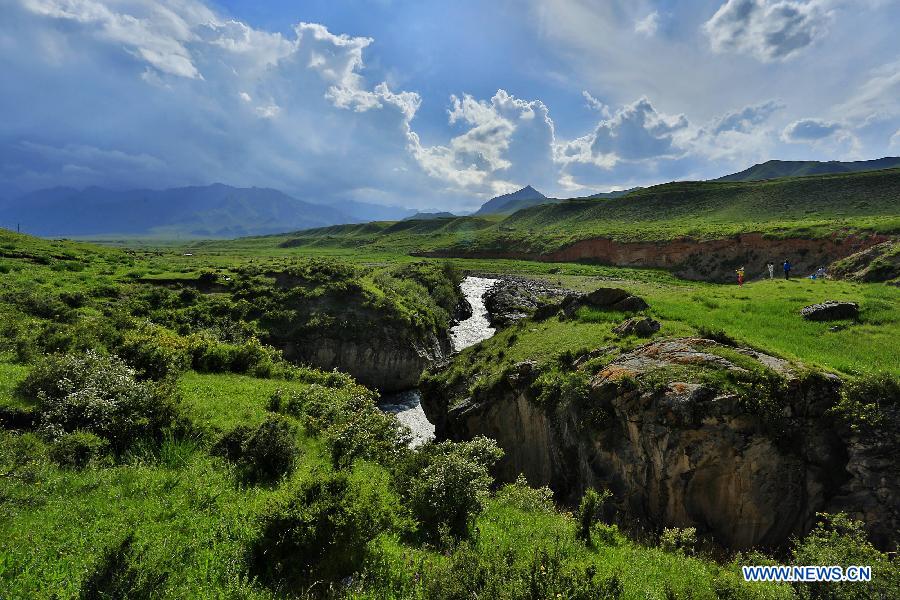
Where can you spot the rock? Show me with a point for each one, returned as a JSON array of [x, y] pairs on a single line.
[[462, 311], [682, 452], [515, 298], [639, 326], [830, 310], [604, 297], [631, 304]]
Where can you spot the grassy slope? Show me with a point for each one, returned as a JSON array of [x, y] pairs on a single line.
[[812, 206], [191, 521]]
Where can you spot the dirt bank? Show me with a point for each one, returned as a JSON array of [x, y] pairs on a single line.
[[707, 260]]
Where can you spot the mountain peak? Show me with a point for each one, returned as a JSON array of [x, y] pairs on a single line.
[[509, 203]]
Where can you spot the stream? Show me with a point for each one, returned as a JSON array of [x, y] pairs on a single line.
[[407, 406]]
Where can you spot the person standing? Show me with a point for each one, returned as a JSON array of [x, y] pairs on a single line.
[[787, 269], [740, 274], [771, 267]]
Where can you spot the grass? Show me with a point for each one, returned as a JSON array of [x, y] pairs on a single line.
[[813, 206]]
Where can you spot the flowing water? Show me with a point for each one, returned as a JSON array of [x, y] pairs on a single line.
[[407, 406]]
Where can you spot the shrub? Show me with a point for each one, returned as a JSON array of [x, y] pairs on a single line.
[[264, 454], [320, 533], [871, 402], [98, 394], [155, 352], [77, 449], [445, 484], [524, 497], [271, 450], [840, 540], [348, 420], [675, 539], [589, 512]]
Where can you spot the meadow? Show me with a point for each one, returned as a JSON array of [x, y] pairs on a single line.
[[253, 477]]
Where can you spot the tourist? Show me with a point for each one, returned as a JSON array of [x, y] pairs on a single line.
[[771, 267], [740, 274], [787, 269]]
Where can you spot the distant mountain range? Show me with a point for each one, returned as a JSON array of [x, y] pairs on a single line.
[[212, 211], [774, 169]]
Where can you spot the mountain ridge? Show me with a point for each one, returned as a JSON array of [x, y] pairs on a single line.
[[775, 169]]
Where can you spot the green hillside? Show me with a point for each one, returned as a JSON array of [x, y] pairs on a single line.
[[773, 169], [814, 206]]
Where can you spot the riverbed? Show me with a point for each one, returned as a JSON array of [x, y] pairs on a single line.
[[407, 406]]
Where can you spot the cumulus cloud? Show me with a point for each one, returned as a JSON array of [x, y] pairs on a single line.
[[895, 140], [746, 119], [648, 25], [810, 130], [507, 144], [768, 30], [635, 132]]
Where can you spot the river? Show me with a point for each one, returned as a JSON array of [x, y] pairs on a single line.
[[407, 406]]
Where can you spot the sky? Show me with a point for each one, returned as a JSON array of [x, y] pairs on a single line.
[[437, 105]]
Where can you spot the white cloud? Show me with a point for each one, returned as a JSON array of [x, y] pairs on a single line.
[[895, 140], [636, 132], [768, 30], [810, 130], [152, 31], [648, 25]]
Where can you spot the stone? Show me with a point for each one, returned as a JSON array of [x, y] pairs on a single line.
[[604, 297], [631, 304], [830, 310], [639, 326]]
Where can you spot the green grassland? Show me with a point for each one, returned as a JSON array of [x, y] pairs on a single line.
[[812, 206], [172, 515]]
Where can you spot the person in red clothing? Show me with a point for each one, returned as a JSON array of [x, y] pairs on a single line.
[[740, 274]]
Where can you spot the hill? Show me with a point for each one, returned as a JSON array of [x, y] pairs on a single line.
[[213, 211], [773, 169], [510, 203], [427, 216]]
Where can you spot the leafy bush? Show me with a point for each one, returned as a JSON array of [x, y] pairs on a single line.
[[589, 512], [871, 402], [524, 497], [348, 420], [320, 533], [98, 394], [675, 539], [155, 352], [77, 449], [840, 540], [264, 454], [445, 484]]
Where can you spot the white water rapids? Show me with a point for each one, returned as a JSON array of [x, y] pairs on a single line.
[[407, 406]]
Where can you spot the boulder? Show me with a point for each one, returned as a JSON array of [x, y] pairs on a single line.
[[631, 304], [830, 310], [639, 326], [604, 297]]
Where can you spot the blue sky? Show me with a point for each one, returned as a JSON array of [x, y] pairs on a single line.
[[437, 104]]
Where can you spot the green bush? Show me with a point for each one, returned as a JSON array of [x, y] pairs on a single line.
[[155, 352], [265, 454], [840, 540], [348, 420], [589, 512], [445, 484], [524, 497], [871, 403], [675, 539], [320, 534], [77, 449], [98, 394]]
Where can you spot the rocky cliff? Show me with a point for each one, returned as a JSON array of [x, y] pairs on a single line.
[[688, 432], [385, 359]]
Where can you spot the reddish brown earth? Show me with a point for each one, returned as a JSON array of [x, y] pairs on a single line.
[[708, 260]]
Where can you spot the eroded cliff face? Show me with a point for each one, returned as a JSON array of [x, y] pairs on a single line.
[[701, 260], [688, 452], [387, 360]]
